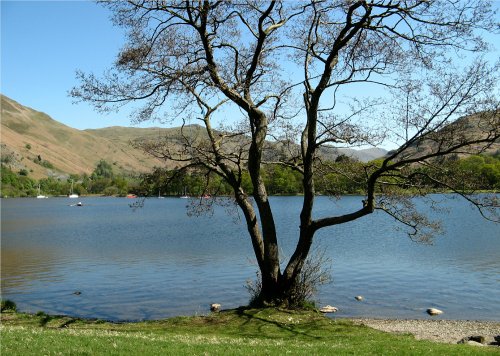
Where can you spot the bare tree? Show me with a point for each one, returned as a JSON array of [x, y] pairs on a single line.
[[293, 77]]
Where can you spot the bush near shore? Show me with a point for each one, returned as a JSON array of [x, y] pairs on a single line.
[[235, 332]]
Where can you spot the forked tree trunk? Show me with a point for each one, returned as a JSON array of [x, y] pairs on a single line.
[[282, 290]]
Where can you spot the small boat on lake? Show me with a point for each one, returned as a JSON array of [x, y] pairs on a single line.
[[131, 196], [40, 196], [184, 196], [71, 194]]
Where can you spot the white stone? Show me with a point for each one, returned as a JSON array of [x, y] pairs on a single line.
[[215, 307], [474, 343], [434, 311], [328, 309]]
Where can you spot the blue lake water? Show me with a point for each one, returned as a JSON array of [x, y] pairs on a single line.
[[156, 261]]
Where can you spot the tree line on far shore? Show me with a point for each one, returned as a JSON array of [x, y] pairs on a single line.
[[344, 176], [102, 181]]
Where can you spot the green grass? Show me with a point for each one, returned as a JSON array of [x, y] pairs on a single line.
[[237, 332]]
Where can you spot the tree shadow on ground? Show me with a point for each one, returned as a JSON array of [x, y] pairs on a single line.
[[288, 324]]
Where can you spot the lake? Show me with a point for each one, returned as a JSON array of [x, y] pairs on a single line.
[[156, 261]]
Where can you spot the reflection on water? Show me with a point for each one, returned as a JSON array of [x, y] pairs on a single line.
[[20, 268], [157, 262]]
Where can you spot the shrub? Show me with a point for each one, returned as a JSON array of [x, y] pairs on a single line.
[[47, 164], [8, 305], [315, 273], [109, 191]]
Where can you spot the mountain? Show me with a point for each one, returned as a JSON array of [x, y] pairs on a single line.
[[33, 141], [363, 155], [467, 128]]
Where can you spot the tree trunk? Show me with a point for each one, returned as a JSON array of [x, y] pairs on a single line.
[[281, 291], [270, 269]]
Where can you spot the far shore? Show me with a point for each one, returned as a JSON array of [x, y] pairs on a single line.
[[226, 196]]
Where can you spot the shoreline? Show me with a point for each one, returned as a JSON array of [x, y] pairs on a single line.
[[439, 330], [442, 331]]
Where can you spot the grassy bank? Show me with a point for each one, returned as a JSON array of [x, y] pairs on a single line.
[[236, 332]]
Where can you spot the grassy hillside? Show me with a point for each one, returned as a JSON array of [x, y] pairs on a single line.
[[465, 129], [134, 136], [120, 134], [33, 141]]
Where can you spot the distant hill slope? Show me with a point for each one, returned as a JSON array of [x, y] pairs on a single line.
[[363, 155], [128, 134], [477, 126], [120, 134], [28, 135], [33, 141]]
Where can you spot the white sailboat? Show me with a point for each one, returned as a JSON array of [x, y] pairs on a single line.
[[40, 196], [159, 195], [71, 194], [185, 196]]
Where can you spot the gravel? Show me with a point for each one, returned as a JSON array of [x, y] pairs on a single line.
[[448, 331]]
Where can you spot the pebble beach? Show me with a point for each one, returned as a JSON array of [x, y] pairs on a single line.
[[447, 331]]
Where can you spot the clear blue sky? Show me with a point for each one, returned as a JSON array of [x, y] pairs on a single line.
[[43, 43]]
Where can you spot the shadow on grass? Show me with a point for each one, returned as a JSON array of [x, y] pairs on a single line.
[[272, 323], [244, 322]]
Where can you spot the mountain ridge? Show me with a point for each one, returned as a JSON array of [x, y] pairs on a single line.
[[31, 140], [34, 141]]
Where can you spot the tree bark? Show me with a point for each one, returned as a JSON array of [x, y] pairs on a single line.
[[270, 271]]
